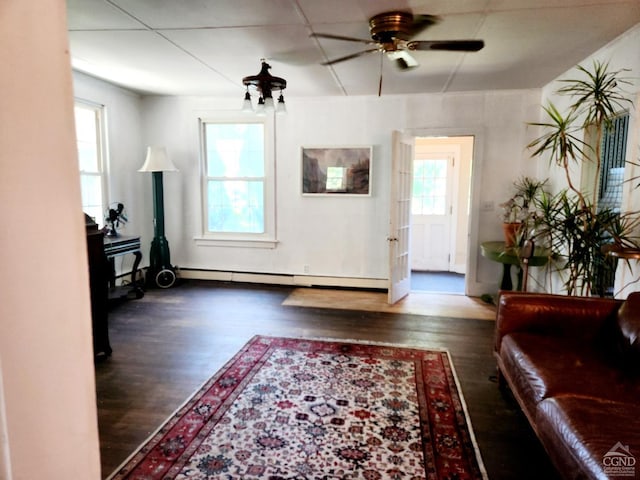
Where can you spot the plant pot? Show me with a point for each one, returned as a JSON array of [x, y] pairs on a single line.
[[510, 231]]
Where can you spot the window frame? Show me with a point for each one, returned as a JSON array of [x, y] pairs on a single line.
[[101, 149], [266, 239]]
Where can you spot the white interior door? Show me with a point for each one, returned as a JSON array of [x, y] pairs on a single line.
[[432, 208], [400, 219]]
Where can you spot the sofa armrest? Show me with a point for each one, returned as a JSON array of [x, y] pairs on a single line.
[[574, 317]]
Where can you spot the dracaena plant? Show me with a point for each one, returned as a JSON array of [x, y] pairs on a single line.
[[576, 230]]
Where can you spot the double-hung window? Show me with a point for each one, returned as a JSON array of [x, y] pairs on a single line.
[[238, 181], [89, 120]]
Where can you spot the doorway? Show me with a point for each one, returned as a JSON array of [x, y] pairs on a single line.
[[440, 213], [463, 209]]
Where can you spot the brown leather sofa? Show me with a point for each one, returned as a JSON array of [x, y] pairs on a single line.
[[573, 365]]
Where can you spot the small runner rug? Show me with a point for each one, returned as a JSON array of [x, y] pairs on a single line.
[[285, 408]]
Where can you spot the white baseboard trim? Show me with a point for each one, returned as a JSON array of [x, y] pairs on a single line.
[[276, 279]]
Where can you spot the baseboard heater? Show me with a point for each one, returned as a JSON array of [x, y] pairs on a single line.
[[282, 279]]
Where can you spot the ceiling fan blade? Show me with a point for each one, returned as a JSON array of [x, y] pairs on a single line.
[[404, 60], [340, 37], [349, 57], [451, 45], [422, 22]]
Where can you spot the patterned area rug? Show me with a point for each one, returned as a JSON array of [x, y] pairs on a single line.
[[318, 410]]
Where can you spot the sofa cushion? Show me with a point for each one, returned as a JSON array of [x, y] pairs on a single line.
[[541, 366], [578, 432]]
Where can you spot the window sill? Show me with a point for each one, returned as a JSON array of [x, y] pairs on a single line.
[[239, 243]]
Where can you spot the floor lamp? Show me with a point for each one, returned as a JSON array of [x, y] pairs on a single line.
[[161, 272]]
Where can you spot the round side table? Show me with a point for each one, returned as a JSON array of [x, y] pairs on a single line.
[[507, 256]]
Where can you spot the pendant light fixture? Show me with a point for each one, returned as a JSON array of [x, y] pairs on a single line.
[[265, 84]]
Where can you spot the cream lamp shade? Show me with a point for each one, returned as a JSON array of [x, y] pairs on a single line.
[[157, 161]]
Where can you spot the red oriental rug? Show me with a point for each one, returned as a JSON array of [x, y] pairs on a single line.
[[286, 408]]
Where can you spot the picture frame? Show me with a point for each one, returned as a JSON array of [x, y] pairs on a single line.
[[342, 171]]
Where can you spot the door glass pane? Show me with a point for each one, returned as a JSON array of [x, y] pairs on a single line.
[[429, 187]]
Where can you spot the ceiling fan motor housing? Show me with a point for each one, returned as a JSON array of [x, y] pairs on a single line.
[[384, 27]]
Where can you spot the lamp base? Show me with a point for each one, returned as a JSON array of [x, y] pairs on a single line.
[[160, 273]]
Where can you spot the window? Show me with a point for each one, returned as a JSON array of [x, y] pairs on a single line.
[[238, 181], [613, 152], [89, 135], [429, 187]]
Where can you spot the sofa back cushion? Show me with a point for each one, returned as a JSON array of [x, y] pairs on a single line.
[[628, 323]]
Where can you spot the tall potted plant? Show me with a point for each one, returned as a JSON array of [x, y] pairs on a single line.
[[577, 231]]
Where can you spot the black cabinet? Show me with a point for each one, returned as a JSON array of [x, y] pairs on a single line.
[[99, 273]]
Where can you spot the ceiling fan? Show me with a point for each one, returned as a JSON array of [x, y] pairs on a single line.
[[392, 33]]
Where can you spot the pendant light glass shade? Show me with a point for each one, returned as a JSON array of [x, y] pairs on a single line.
[[281, 108], [246, 104]]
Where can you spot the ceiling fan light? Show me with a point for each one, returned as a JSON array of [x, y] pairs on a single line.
[[403, 59]]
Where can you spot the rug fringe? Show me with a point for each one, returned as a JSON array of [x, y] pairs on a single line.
[[472, 435], [358, 341]]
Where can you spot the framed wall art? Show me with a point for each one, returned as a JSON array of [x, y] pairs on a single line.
[[336, 170]]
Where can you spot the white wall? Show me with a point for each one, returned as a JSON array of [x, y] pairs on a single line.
[[48, 388], [339, 236]]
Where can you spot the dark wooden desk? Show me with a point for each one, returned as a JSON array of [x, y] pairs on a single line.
[[123, 245], [507, 256]]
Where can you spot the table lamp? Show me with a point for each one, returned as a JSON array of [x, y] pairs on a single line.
[[161, 272]]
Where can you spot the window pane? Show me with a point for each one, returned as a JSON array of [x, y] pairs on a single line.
[[234, 150], [85, 124], [235, 206], [91, 190], [86, 134], [88, 157], [88, 137]]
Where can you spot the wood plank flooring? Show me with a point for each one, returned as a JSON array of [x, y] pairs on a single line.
[[168, 343]]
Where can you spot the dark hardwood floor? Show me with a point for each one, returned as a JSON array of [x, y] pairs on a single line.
[[169, 342]]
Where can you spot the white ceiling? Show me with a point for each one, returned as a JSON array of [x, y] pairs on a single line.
[[206, 47]]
